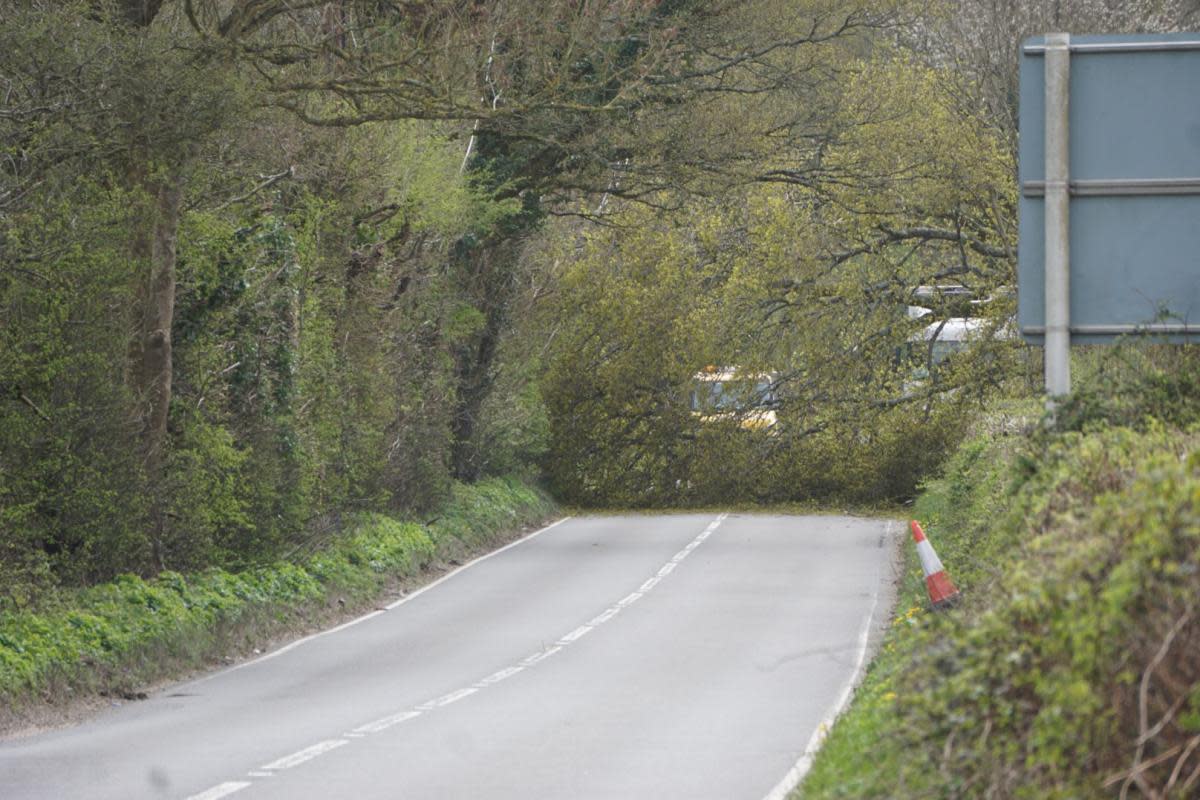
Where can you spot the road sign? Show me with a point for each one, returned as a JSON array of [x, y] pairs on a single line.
[[1110, 189]]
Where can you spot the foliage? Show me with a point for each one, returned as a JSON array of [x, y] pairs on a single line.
[[641, 310], [257, 271], [1069, 670]]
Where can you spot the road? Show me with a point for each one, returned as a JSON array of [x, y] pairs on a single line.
[[618, 657]]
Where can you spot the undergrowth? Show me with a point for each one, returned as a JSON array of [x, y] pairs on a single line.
[[112, 637], [1070, 669]]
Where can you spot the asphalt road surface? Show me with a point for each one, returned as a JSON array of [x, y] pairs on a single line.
[[608, 658]]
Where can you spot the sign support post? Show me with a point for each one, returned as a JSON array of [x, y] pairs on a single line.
[[1058, 216]]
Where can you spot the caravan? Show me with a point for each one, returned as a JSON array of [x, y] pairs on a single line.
[[725, 394]]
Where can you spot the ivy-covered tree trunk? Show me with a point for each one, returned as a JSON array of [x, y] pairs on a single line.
[[475, 376], [153, 248], [490, 283]]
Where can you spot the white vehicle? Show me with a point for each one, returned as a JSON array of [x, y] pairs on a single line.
[[942, 339], [724, 393], [953, 335]]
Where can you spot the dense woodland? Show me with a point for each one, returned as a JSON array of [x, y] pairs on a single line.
[[268, 263]]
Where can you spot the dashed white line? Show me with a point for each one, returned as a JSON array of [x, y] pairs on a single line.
[[383, 723], [578, 633], [529, 661], [605, 616], [386, 722], [629, 600], [454, 697], [221, 790], [307, 754], [496, 677]]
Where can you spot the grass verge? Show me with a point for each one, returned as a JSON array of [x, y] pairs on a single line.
[[1070, 669], [113, 638]]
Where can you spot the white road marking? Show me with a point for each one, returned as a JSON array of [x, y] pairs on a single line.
[[802, 766], [304, 640], [496, 677], [604, 617], [470, 564], [258, 773], [383, 723], [454, 697], [578, 633], [529, 661], [221, 790], [307, 754]]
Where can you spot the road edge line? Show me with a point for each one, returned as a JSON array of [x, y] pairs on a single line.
[[796, 774], [341, 627]]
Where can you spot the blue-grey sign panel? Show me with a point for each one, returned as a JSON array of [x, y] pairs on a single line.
[[1135, 187]]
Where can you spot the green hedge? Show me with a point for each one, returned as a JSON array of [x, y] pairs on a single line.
[[1079, 557], [108, 637]]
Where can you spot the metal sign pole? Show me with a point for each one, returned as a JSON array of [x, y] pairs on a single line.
[[1058, 219]]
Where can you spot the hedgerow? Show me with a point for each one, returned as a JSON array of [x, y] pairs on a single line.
[[1070, 669]]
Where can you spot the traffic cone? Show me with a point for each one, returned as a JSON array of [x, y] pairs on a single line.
[[942, 591]]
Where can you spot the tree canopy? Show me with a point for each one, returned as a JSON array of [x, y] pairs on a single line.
[[265, 263]]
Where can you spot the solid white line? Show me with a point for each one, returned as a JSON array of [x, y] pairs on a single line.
[[470, 564], [221, 790], [804, 764], [307, 754], [304, 640]]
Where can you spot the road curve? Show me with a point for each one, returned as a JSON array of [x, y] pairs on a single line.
[[606, 658]]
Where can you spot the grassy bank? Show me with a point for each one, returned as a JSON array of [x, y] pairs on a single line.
[[115, 637], [1070, 669]]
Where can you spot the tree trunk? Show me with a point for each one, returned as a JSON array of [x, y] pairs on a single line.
[[475, 374], [490, 282], [150, 368]]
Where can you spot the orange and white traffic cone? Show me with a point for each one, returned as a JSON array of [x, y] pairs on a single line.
[[942, 591]]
